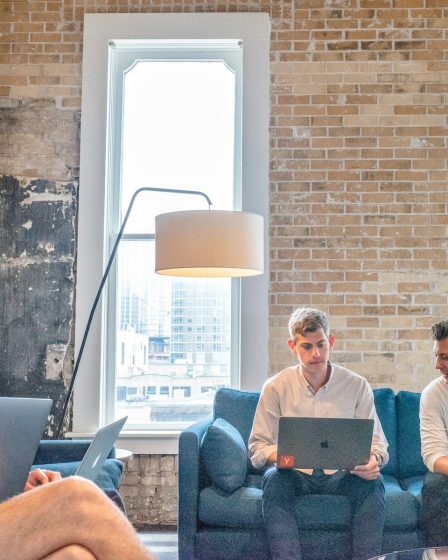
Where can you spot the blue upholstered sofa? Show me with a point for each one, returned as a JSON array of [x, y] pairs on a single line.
[[65, 455], [223, 520]]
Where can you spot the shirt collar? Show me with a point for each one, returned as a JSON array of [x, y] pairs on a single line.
[[305, 383]]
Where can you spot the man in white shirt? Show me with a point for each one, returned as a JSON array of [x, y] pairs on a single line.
[[434, 437], [316, 387]]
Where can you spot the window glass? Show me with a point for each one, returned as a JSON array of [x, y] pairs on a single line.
[[177, 129]]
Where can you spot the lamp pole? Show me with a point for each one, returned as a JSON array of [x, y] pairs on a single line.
[[101, 286]]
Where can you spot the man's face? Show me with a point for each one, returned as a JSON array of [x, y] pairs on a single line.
[[312, 350], [440, 350]]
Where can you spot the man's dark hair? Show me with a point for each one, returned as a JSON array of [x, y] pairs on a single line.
[[439, 331]]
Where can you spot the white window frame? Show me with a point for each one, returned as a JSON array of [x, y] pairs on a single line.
[[123, 55], [254, 30]]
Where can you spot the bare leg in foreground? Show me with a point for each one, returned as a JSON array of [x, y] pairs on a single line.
[[69, 519]]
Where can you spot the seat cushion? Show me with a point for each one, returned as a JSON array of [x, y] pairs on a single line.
[[243, 509], [224, 455], [414, 485], [108, 479], [240, 509], [402, 507]]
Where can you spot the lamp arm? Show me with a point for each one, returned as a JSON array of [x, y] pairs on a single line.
[[101, 286]]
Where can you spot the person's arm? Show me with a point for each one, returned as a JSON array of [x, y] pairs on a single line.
[[369, 471], [263, 438], [38, 477], [433, 433], [379, 456]]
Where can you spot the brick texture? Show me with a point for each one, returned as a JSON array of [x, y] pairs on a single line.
[[149, 490], [358, 196]]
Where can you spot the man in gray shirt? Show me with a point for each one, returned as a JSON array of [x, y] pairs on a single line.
[[434, 436], [317, 388]]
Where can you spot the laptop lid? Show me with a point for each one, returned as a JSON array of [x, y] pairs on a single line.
[[324, 443], [99, 449], [22, 423]]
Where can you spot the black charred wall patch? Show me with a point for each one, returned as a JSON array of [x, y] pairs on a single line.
[[37, 248]]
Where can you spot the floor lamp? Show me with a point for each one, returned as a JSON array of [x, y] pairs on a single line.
[[195, 243]]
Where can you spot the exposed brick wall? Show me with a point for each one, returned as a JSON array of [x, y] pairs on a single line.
[[358, 222], [149, 490], [358, 181]]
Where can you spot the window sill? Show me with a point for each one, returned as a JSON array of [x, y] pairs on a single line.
[[141, 443]]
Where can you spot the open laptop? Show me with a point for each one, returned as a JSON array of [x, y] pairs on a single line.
[[323, 443], [99, 449], [22, 423]]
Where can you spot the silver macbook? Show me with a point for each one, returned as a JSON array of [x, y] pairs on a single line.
[[323, 443], [22, 422], [99, 449]]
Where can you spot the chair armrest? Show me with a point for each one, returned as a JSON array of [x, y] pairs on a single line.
[[192, 479], [62, 451]]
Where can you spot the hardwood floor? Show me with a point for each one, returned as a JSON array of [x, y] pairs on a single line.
[[162, 544]]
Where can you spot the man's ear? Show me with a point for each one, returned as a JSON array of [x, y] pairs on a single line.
[[331, 340], [292, 345]]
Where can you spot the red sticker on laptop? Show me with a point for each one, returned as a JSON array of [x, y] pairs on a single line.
[[286, 461]]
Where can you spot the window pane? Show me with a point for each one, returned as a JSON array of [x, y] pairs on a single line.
[[178, 132], [172, 336], [169, 371]]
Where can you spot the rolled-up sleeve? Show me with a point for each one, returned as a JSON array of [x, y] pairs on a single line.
[[433, 431], [264, 434]]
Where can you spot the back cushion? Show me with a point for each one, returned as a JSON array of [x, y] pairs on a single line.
[[385, 408], [238, 408], [410, 462], [224, 455]]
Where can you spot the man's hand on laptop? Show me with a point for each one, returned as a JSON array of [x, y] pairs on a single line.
[[272, 458], [38, 477], [369, 471]]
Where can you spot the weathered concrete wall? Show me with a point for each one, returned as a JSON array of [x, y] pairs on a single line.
[[37, 247]]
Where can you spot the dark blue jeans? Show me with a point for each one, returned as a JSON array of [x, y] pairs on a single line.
[[280, 486], [435, 509]]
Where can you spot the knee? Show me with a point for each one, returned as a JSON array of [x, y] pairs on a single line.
[[81, 492], [362, 488], [78, 486], [270, 474], [75, 552], [278, 484], [435, 482], [378, 484], [273, 478], [435, 490], [379, 490]]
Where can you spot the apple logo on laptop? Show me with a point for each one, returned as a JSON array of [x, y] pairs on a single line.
[[324, 444], [96, 461]]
